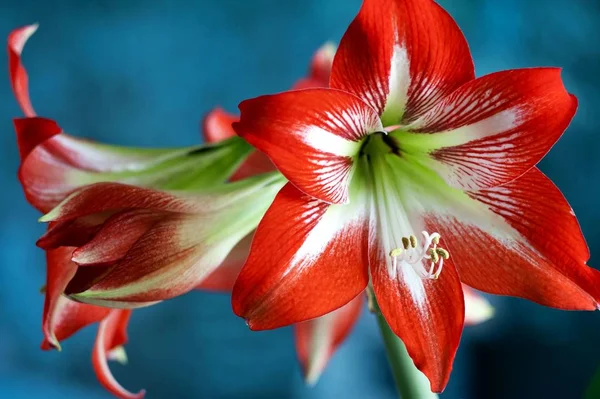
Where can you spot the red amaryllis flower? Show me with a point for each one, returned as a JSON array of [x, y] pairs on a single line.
[[316, 340], [405, 165]]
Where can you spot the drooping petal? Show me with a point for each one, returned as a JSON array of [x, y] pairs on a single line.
[[311, 136], [493, 129], [162, 244], [320, 69], [216, 125], [111, 335], [18, 75], [426, 313], [477, 308], [401, 57], [63, 317], [307, 259], [317, 339]]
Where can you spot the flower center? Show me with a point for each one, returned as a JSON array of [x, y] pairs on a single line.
[[411, 254]]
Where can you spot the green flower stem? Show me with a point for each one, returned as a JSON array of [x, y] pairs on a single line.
[[411, 383]]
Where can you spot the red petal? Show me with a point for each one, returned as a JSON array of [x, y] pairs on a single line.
[[495, 128], [72, 233], [223, 279], [317, 339], [320, 69], [307, 259], [542, 260], [111, 333], [216, 125], [18, 74], [63, 317], [402, 56], [426, 314], [310, 135]]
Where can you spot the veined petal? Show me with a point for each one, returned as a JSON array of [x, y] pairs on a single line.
[[401, 57], [307, 259], [63, 317], [317, 339], [18, 75], [477, 308], [162, 245], [519, 239], [493, 129], [216, 125], [111, 335], [320, 68], [311, 136], [426, 313]]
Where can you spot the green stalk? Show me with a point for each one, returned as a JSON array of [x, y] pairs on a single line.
[[410, 382]]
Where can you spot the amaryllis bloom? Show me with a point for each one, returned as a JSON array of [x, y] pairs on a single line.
[[409, 175], [54, 164], [316, 340]]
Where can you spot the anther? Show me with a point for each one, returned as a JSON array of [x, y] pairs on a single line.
[[413, 241], [412, 255], [442, 253], [394, 253], [405, 242]]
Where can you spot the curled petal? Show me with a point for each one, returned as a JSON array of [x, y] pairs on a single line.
[[18, 75], [401, 57], [492, 129], [311, 136], [111, 335], [63, 317], [317, 339], [316, 266]]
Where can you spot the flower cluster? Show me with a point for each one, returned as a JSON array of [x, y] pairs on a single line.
[[390, 169]]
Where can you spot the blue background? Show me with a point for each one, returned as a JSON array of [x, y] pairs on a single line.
[[144, 72]]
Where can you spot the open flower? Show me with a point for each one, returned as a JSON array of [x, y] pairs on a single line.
[[316, 340], [406, 173]]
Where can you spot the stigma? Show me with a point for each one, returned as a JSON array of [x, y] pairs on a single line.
[[427, 259]]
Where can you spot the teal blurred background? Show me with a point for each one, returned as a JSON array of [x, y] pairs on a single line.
[[144, 72]]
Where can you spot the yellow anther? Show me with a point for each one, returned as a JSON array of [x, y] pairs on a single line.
[[442, 253], [434, 255], [394, 253], [405, 242], [435, 240], [413, 241]]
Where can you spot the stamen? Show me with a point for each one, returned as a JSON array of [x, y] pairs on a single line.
[[411, 255]]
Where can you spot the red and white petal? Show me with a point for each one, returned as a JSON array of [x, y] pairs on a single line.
[[523, 241], [307, 259], [317, 339], [311, 136], [477, 308], [401, 57], [493, 129], [111, 335], [18, 75], [320, 68], [63, 317], [216, 125], [427, 315]]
